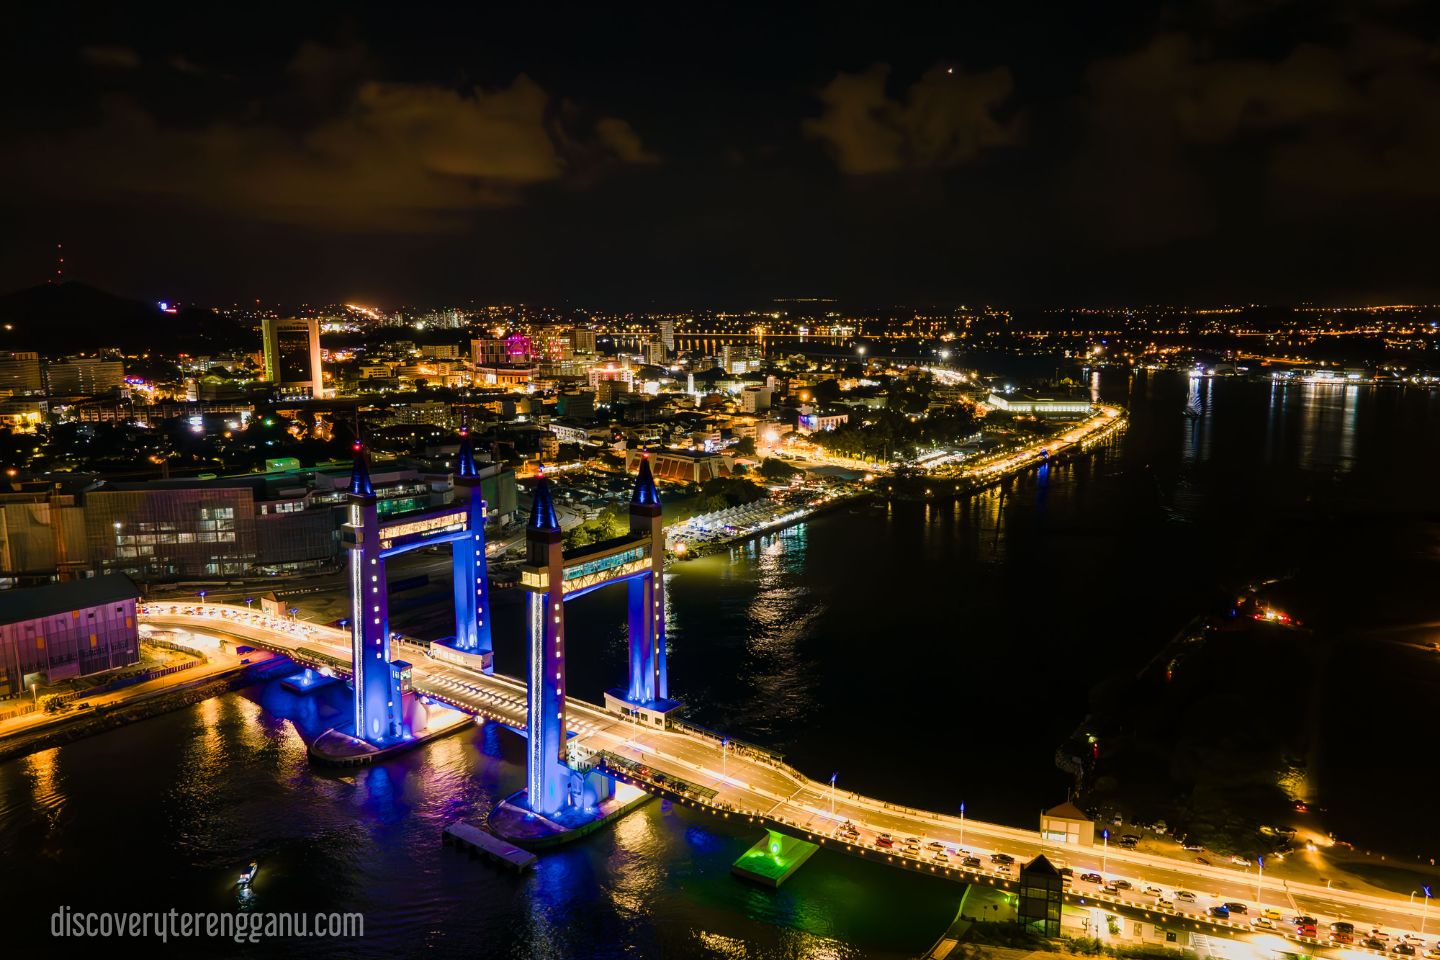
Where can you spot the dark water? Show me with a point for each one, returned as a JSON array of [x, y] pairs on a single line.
[[929, 655]]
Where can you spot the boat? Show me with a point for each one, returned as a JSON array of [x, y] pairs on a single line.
[[248, 874]]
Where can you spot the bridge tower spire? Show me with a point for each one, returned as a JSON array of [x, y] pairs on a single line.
[[377, 707], [471, 580], [648, 682], [547, 776]]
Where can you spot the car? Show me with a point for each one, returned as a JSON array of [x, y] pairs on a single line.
[[1001, 858], [1151, 891], [1370, 943], [1432, 954], [1202, 861], [1164, 904], [1378, 934], [1220, 912], [1091, 877], [1270, 913], [1262, 923], [971, 862], [884, 841], [935, 845], [1192, 847], [1237, 907], [1305, 930], [1185, 896], [941, 856], [1130, 837], [1126, 844], [1110, 888], [1065, 872], [913, 840], [1403, 949], [1122, 884], [1242, 861], [1303, 921]]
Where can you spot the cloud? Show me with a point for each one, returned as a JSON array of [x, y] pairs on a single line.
[[1355, 117], [110, 57], [393, 156], [944, 119]]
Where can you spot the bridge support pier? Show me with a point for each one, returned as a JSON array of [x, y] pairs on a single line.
[[378, 709], [472, 594], [647, 691]]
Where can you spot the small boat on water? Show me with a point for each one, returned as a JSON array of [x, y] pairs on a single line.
[[248, 874]]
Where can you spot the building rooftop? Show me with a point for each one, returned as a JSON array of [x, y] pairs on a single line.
[[28, 604]]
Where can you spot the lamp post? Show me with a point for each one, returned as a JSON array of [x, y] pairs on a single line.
[[962, 823], [1425, 911], [202, 598], [724, 756], [1259, 877], [248, 601], [833, 777], [1104, 850]]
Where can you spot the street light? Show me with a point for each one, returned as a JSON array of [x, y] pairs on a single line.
[[1105, 850], [248, 601], [1425, 911], [833, 778], [962, 823], [202, 597], [724, 756], [1259, 876]]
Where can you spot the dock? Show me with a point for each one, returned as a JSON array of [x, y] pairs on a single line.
[[468, 837]]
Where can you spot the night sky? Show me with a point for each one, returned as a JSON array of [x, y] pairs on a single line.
[[702, 154]]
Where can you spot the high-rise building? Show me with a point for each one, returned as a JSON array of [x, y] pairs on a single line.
[[20, 373], [667, 335], [740, 357], [88, 376], [292, 356], [654, 352], [487, 352], [584, 341]]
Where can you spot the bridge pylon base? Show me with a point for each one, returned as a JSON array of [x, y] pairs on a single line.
[[651, 713], [513, 821]]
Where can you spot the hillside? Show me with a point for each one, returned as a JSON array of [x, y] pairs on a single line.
[[71, 317]]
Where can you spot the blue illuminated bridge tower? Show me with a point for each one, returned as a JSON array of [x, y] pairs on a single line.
[[552, 576], [382, 685]]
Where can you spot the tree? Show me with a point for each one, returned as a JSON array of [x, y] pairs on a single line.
[[746, 447], [52, 703], [776, 469]]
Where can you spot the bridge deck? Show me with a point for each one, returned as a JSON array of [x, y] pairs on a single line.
[[760, 787]]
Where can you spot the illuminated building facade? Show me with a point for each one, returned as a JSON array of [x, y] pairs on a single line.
[[292, 356], [67, 630]]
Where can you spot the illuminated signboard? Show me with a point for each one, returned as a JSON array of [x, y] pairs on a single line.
[[417, 530]]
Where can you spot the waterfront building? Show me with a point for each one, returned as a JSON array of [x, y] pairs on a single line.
[[1067, 824], [66, 630], [292, 356], [1039, 405], [680, 466]]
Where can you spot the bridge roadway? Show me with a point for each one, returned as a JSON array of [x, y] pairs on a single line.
[[750, 783]]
